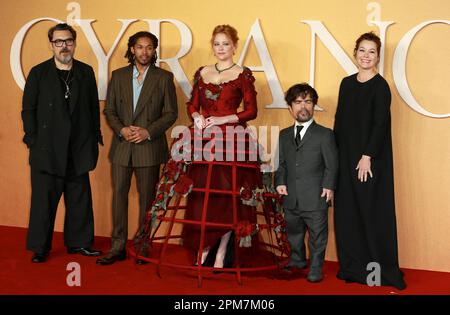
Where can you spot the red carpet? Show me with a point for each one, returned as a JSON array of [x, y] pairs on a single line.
[[19, 276]]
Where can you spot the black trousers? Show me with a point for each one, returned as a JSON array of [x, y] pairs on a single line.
[[79, 219], [297, 223]]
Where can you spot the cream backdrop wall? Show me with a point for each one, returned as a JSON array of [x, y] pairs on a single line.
[[421, 143]]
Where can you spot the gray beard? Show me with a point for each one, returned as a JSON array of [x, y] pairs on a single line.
[[65, 60]]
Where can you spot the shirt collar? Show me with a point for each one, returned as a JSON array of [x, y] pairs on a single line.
[[136, 72], [305, 124]]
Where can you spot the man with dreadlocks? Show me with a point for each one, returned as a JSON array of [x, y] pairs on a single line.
[[141, 105]]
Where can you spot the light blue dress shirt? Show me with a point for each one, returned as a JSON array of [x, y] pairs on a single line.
[[137, 86]]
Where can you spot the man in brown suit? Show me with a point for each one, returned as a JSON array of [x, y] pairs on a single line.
[[141, 105]]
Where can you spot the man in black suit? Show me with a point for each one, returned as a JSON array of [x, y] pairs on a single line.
[[61, 120], [306, 175]]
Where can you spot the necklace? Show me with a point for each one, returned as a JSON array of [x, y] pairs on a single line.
[[220, 71], [67, 82]]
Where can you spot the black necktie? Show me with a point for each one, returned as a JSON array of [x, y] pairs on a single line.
[[298, 139]]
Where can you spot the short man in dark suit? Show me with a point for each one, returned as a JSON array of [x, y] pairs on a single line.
[[141, 105], [61, 119], [306, 175]]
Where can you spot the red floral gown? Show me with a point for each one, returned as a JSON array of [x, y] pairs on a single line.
[[220, 100], [229, 184]]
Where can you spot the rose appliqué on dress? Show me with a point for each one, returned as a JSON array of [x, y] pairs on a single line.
[[211, 95]]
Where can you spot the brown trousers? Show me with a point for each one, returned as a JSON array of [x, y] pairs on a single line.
[[146, 178]]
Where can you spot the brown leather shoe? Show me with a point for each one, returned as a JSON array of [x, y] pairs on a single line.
[[143, 252], [111, 258]]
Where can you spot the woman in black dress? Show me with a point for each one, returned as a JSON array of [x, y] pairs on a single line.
[[365, 222]]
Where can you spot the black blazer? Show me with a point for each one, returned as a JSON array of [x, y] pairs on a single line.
[[52, 129], [308, 168]]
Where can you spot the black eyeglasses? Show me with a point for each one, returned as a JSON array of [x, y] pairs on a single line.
[[60, 42]]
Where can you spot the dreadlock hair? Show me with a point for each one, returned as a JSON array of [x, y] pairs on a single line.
[[132, 41]]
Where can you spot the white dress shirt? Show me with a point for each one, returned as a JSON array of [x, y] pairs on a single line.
[[305, 127]]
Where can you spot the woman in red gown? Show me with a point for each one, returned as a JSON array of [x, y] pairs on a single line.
[[220, 226], [217, 93]]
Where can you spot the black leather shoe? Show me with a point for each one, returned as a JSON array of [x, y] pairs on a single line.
[[85, 251], [216, 272], [39, 257], [288, 269], [291, 268], [111, 258], [141, 262], [314, 275]]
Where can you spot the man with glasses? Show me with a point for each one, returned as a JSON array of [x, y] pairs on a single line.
[[306, 176], [61, 120]]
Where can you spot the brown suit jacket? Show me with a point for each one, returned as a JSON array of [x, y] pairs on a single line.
[[156, 111]]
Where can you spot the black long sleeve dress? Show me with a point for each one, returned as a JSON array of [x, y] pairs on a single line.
[[365, 222]]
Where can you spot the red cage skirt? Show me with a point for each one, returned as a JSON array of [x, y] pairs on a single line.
[[218, 176]]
